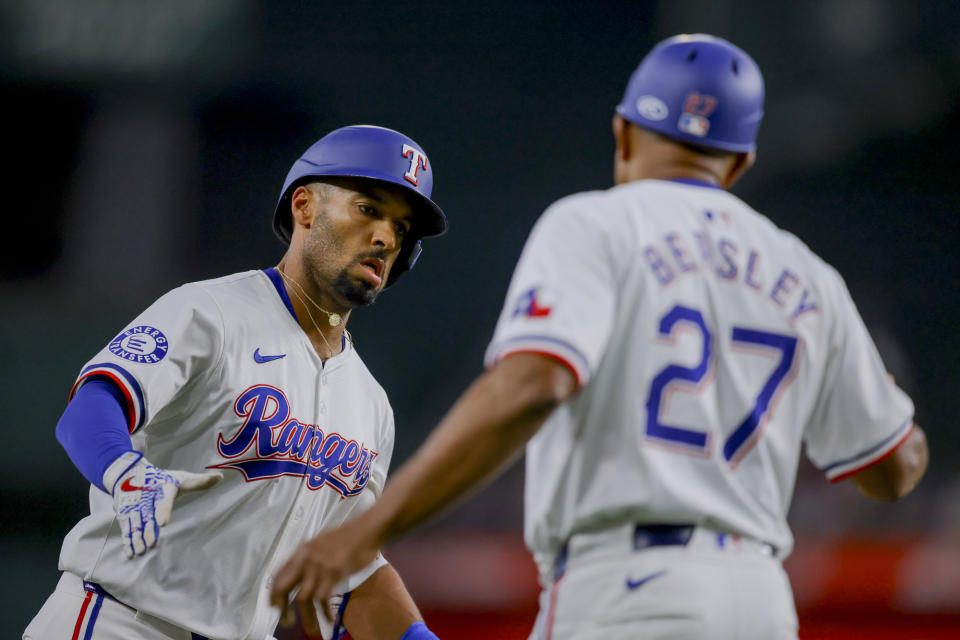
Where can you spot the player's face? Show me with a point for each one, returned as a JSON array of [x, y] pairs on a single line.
[[357, 231]]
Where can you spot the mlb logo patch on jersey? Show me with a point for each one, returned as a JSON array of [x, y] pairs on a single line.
[[533, 303], [141, 344]]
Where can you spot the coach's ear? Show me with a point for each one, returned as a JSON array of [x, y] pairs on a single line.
[[742, 162], [620, 136], [624, 150]]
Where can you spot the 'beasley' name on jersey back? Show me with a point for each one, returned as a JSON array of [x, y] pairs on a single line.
[[677, 254]]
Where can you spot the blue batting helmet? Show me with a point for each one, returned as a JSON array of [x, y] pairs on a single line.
[[377, 153], [698, 89]]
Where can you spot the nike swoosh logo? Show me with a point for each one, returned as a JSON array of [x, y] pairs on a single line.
[[129, 486], [636, 584], [261, 359]]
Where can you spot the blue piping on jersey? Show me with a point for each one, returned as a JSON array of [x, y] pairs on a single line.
[[696, 183], [871, 450], [277, 281]]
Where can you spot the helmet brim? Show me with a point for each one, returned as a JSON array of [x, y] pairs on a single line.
[[428, 218]]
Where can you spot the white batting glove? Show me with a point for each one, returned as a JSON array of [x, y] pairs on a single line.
[[143, 497]]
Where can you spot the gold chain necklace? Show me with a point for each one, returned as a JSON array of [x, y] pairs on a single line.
[[315, 325], [333, 318]]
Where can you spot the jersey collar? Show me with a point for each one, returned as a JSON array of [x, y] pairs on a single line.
[[277, 281], [696, 183]]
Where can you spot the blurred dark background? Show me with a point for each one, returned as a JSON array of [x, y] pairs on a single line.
[[146, 144]]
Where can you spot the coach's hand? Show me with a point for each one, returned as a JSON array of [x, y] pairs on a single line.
[[143, 497], [316, 567]]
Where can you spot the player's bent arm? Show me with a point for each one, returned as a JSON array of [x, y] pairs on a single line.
[[380, 608], [94, 434], [484, 431], [896, 475]]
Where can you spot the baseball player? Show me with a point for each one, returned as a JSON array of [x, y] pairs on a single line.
[[234, 419], [666, 351]]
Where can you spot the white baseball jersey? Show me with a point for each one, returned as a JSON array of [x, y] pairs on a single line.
[[219, 375], [710, 346]]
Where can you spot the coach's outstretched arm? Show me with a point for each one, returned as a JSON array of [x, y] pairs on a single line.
[[485, 430], [897, 475]]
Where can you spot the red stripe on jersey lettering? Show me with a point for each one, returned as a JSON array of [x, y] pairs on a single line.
[[548, 354], [853, 472], [83, 612]]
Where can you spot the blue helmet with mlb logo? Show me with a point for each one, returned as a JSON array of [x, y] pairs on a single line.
[[698, 89], [375, 153]]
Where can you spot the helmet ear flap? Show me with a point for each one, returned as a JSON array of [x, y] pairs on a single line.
[[409, 254], [415, 252]]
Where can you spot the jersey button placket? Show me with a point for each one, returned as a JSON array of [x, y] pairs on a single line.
[[293, 532]]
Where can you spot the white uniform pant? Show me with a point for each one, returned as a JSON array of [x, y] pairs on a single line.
[[716, 587], [75, 613]]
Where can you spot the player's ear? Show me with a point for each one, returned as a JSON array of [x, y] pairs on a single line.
[[742, 162], [301, 207]]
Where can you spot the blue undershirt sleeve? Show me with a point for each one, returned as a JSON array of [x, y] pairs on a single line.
[[93, 429]]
